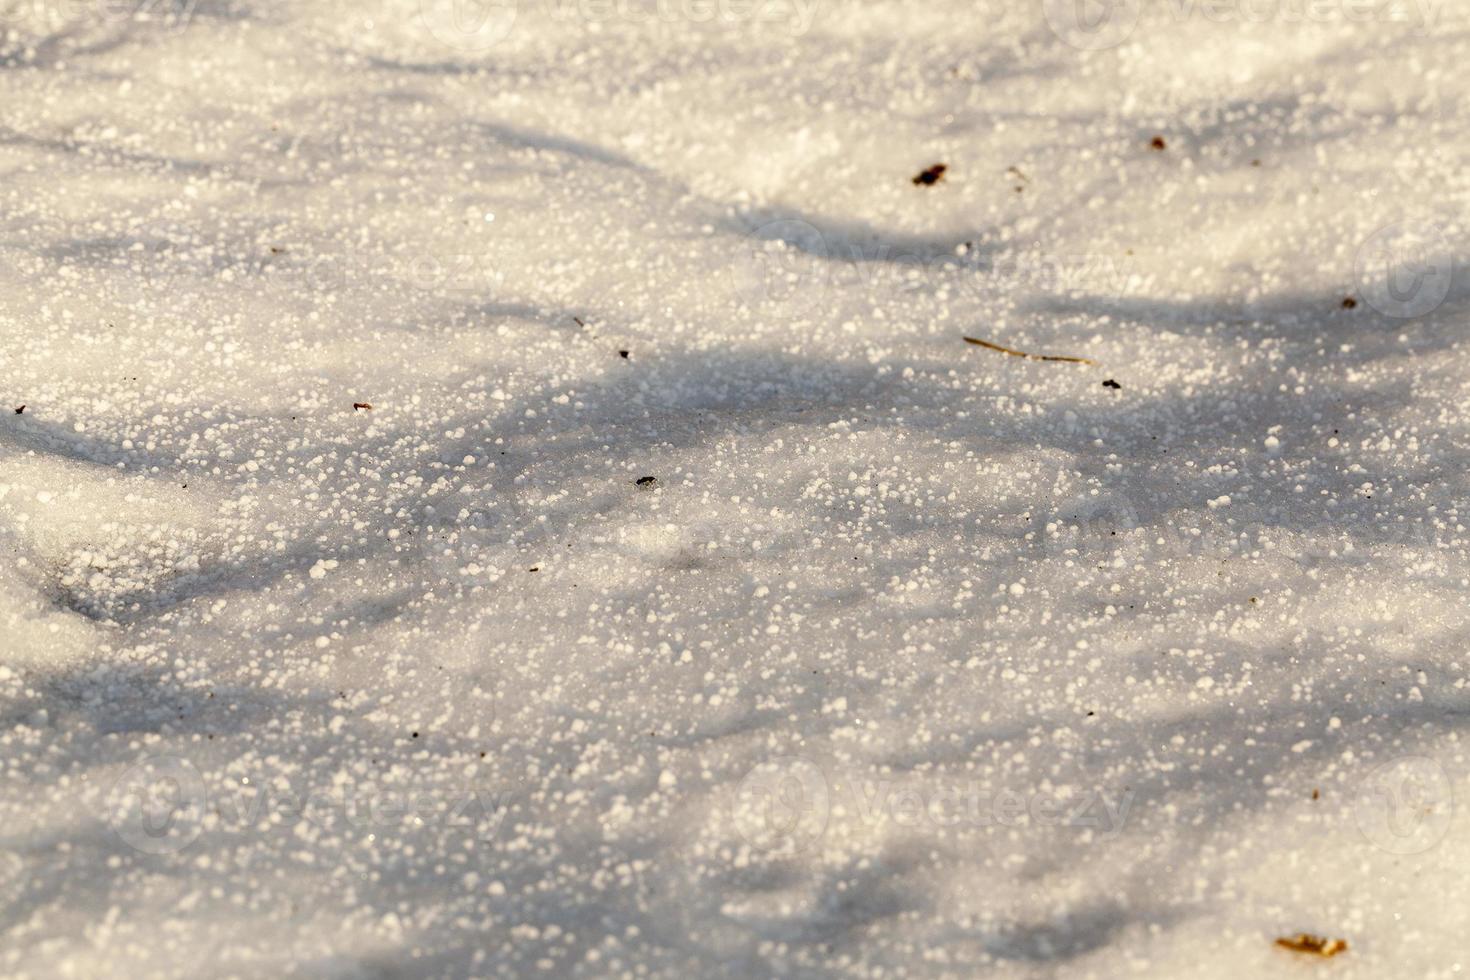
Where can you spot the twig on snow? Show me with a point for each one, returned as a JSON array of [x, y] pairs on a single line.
[[1030, 357]]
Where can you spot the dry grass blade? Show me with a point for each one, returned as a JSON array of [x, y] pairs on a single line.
[[1030, 357]]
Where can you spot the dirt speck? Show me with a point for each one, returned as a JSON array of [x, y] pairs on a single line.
[[930, 175]]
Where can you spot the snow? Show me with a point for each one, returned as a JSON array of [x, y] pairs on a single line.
[[341, 633]]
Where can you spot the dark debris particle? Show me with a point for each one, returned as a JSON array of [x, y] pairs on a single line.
[[361, 407], [1348, 303], [1312, 945], [1110, 383], [535, 568], [623, 354], [646, 481], [415, 735], [21, 410], [931, 175], [1158, 143]]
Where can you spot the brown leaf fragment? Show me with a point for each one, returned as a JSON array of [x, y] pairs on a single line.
[[1030, 357], [1304, 942], [361, 407], [930, 175]]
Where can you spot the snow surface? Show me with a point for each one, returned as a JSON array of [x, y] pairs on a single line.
[[914, 659]]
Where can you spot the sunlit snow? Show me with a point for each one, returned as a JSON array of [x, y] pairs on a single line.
[[501, 489]]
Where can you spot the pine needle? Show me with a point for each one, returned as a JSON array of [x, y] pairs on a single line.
[[1030, 357]]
